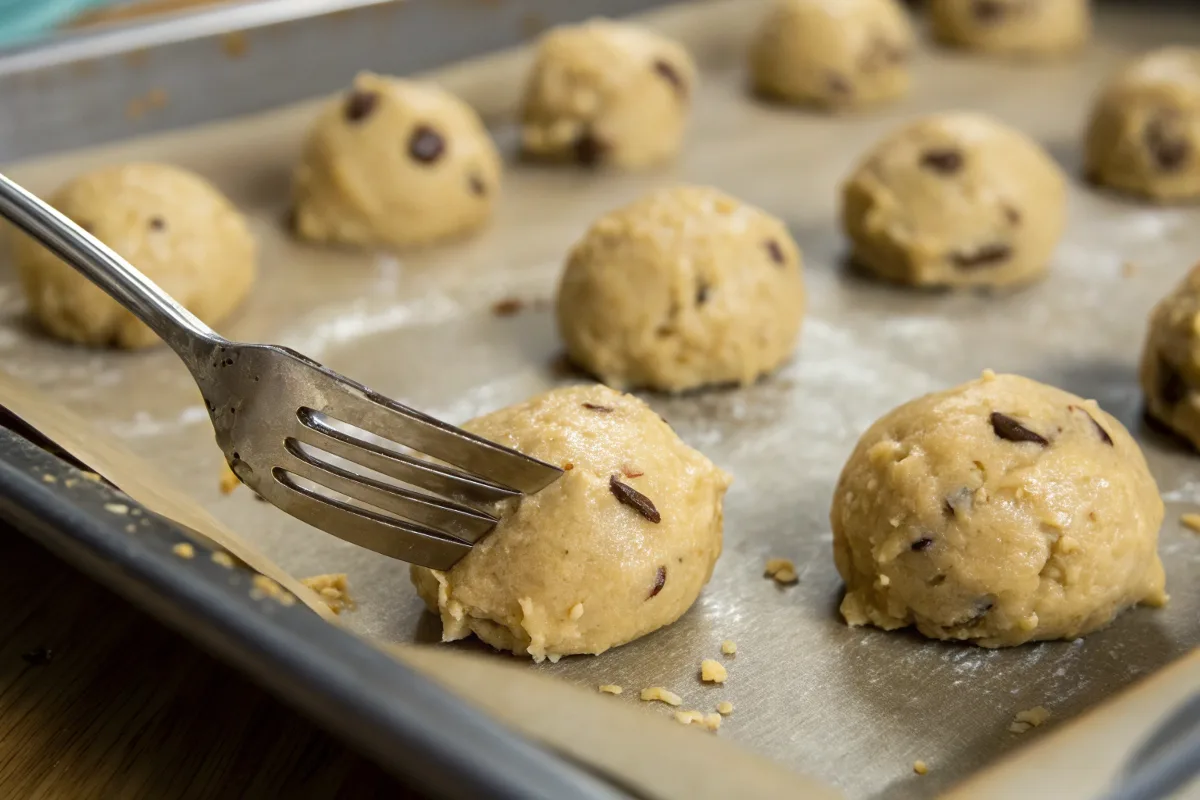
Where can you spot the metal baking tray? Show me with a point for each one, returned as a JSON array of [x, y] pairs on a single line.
[[854, 707]]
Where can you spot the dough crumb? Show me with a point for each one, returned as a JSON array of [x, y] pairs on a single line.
[[611, 688], [920, 767], [184, 550], [782, 570], [710, 721], [725, 708], [1029, 718], [1191, 521], [48, 478], [729, 647], [120, 509], [266, 587], [223, 558], [713, 671], [661, 695], [90, 476], [987, 375], [333, 589], [228, 481], [576, 611]]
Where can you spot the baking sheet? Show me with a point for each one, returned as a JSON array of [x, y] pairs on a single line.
[[853, 706]]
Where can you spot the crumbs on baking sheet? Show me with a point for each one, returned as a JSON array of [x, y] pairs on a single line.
[[1191, 521], [184, 550], [920, 767], [222, 558], [267, 587], [610, 688], [1029, 718], [724, 708], [228, 480], [709, 721], [662, 695], [712, 671], [48, 478], [120, 509], [782, 570], [729, 647], [333, 589]]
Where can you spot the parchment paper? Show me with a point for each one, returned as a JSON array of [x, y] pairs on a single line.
[[855, 707]]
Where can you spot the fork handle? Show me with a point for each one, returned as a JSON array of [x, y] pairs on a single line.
[[177, 326]]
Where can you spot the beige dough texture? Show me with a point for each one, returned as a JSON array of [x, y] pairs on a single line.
[[1043, 28], [619, 546], [833, 53], [394, 163], [174, 226], [1001, 511], [955, 199], [607, 93], [1144, 133], [686, 287], [1170, 371]]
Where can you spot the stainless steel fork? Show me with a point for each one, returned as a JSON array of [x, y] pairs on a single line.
[[272, 409]]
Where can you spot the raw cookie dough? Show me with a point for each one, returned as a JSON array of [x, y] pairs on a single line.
[[618, 547], [175, 227], [1001, 511], [1144, 134], [607, 93], [1170, 371], [1016, 27], [833, 53], [683, 288], [395, 163], [955, 199]]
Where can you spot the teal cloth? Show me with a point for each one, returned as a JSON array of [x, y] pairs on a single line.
[[25, 20]]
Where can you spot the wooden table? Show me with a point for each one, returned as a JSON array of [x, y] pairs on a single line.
[[97, 700]]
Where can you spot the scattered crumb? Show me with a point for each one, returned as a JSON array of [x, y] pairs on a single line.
[[576, 612], [234, 44], [184, 550], [713, 671], [988, 375], [333, 589], [1128, 269], [266, 587], [1191, 521], [222, 558], [131, 528], [120, 509], [725, 708], [91, 476], [1029, 718], [661, 695], [610, 688], [729, 647], [709, 721], [48, 478], [508, 307], [156, 98], [920, 767], [228, 480], [782, 570]]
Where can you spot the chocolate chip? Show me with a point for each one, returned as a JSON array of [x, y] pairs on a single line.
[[478, 187], [508, 307], [157, 223], [946, 161], [599, 409], [988, 11], [426, 145], [631, 497], [589, 151], [702, 292], [1008, 428], [1103, 434], [660, 580], [1166, 143], [838, 85], [672, 76], [990, 255], [1012, 214], [924, 543], [776, 252], [359, 105], [38, 657], [1172, 388]]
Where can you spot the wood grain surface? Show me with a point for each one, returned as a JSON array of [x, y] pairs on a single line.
[[125, 708]]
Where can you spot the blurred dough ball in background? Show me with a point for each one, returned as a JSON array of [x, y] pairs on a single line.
[[619, 546], [1015, 27], [394, 163], [607, 93], [686, 287], [833, 53], [955, 199], [1170, 369], [1144, 133], [172, 225]]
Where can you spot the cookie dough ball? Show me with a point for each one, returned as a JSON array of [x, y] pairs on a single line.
[[1001, 511], [175, 227], [684, 288], [833, 53], [618, 547], [395, 163], [607, 93], [1170, 371], [1017, 27], [955, 200], [1144, 134]]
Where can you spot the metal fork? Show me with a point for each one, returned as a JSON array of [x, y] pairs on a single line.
[[271, 409]]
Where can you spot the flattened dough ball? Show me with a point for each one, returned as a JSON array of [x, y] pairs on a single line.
[[1144, 133], [1000, 511], [618, 547], [174, 226], [607, 93], [394, 163], [683, 288], [1170, 371], [833, 53], [1013, 27], [955, 199]]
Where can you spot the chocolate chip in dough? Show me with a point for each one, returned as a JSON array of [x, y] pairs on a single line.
[[668, 72], [360, 105], [944, 161], [426, 145], [1012, 214], [702, 292], [1009, 429], [596, 408], [1103, 434], [1167, 146], [776, 252], [839, 86], [478, 187], [157, 223], [924, 543], [990, 255], [589, 151], [1172, 389], [660, 580], [631, 497]]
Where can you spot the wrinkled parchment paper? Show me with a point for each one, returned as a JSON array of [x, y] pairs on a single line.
[[854, 707]]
